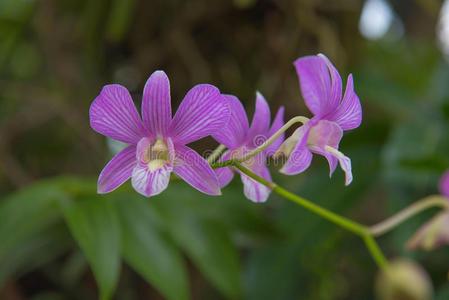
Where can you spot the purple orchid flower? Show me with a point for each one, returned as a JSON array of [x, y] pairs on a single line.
[[444, 184], [321, 87], [240, 138], [157, 146]]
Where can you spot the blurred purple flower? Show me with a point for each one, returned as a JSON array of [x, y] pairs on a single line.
[[240, 138], [156, 145], [444, 184], [321, 87]]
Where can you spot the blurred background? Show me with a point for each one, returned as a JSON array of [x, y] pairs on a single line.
[[59, 240]]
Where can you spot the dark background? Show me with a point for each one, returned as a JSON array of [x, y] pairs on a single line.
[[56, 55]]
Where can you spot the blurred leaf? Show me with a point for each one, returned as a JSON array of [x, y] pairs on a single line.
[[208, 244], [147, 251], [120, 18], [95, 226]]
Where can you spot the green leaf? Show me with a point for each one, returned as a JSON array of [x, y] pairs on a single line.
[[209, 245], [147, 251], [95, 226]]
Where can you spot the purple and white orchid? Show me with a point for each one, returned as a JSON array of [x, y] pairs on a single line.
[[157, 145], [240, 139], [334, 113]]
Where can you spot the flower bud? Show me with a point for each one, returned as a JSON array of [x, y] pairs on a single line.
[[403, 279], [432, 234]]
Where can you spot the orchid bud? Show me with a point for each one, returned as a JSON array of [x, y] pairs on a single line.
[[403, 279], [432, 234]]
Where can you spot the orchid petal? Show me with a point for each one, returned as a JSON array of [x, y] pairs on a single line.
[[315, 84], [204, 111], [345, 163], [225, 174], [261, 121], [117, 170], [150, 182], [233, 134], [295, 148], [195, 170], [349, 114], [253, 190], [335, 92], [278, 122], [113, 114], [156, 106]]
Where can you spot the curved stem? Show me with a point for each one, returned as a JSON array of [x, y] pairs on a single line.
[[332, 217], [216, 153], [264, 145], [408, 212]]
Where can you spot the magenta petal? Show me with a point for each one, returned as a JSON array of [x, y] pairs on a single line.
[[252, 189], [299, 157], [204, 111], [345, 164], [224, 176], [335, 92], [118, 170], [315, 84], [195, 170], [150, 183], [325, 133], [233, 133], [349, 114], [444, 184], [261, 121], [277, 124], [113, 114], [156, 106]]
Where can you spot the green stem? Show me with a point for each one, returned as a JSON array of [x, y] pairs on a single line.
[[345, 223], [264, 145], [408, 212], [216, 153]]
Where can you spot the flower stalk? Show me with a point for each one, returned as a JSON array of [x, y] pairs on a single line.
[[408, 212], [343, 222]]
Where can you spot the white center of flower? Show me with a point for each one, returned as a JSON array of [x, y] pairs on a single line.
[[157, 155]]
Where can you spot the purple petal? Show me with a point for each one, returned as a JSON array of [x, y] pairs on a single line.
[[260, 123], [325, 133], [195, 170], [156, 106], [335, 92], [252, 189], [150, 182], [113, 114], [204, 111], [226, 174], [444, 184], [315, 83], [233, 134], [295, 148], [349, 114], [118, 170], [345, 164], [277, 124]]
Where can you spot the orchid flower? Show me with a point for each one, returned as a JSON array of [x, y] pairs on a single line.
[[321, 87], [157, 144], [240, 139]]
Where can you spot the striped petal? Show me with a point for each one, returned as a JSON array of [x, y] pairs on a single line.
[[113, 114], [150, 182], [277, 124], [195, 170], [156, 106], [233, 133], [204, 111], [118, 170], [261, 121], [252, 189]]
